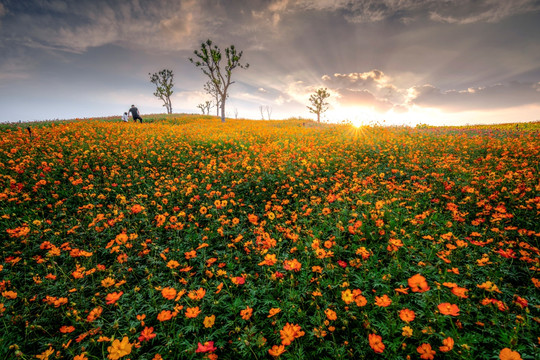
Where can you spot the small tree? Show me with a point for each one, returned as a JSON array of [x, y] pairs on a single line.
[[164, 84], [205, 107], [209, 60], [212, 91], [319, 105], [268, 111]]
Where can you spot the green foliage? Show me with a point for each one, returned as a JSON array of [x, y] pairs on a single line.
[[163, 81], [209, 61], [318, 102]]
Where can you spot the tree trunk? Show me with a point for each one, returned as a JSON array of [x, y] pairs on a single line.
[[318, 117], [222, 110]]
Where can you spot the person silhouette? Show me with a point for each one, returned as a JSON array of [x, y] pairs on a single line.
[[135, 113]]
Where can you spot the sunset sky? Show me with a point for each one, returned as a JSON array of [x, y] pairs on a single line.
[[438, 62]]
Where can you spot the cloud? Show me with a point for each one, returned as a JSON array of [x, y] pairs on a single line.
[[407, 11], [480, 98], [373, 89], [470, 11], [78, 26], [376, 90]]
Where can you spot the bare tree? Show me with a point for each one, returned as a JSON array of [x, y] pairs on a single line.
[[209, 60], [212, 91], [236, 113], [205, 107], [319, 105], [164, 84], [268, 111], [261, 109]]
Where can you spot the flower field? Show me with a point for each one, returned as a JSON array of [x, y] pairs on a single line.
[[188, 238]]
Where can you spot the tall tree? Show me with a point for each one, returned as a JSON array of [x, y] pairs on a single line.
[[318, 103], [209, 60], [164, 84]]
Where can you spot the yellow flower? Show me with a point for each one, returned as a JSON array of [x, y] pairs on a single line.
[[45, 355], [119, 348], [407, 331], [209, 321]]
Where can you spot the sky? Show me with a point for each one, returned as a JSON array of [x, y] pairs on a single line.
[[396, 62]]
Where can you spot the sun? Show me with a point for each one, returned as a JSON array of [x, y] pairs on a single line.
[[357, 116], [365, 116]]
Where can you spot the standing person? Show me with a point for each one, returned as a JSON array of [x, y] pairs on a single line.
[[125, 117], [135, 113]]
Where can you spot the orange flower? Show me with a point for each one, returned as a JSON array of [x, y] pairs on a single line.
[[197, 294], [375, 341], [253, 219], [460, 292], [119, 349], [276, 350], [9, 294], [45, 355], [269, 259], [292, 265], [246, 313], [190, 254], [219, 287], [383, 301], [168, 293], [135, 209], [80, 357], [209, 321], [94, 314], [273, 312], [165, 315], [402, 290], [289, 333], [359, 299], [489, 286], [112, 298], [448, 345], [107, 282], [418, 283], [508, 354], [426, 352], [448, 309], [67, 329], [238, 280], [330, 314], [192, 312], [407, 315], [147, 334], [173, 264]]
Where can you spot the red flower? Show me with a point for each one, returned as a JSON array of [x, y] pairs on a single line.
[[207, 347], [147, 334]]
